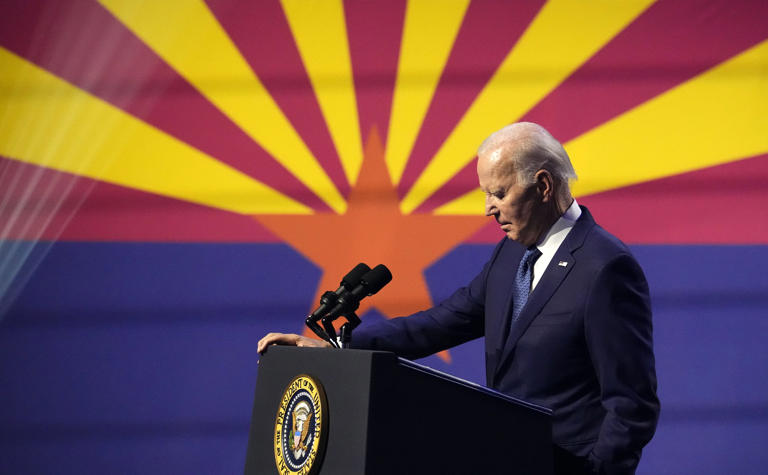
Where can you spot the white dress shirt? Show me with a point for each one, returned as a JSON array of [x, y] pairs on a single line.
[[553, 239]]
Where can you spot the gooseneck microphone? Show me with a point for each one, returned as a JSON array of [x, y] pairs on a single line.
[[328, 300], [348, 302], [359, 283], [348, 283], [370, 283]]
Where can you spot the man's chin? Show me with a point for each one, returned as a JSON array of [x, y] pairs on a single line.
[[510, 233], [516, 237]]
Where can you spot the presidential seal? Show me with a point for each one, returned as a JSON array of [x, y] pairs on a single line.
[[300, 427]]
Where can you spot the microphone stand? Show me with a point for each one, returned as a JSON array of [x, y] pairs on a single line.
[[311, 322], [346, 330], [329, 334], [330, 331]]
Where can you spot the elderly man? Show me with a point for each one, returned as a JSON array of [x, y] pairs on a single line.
[[563, 305]]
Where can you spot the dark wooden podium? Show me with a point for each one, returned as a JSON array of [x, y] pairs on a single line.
[[388, 415]]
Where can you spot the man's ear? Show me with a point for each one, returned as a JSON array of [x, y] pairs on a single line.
[[545, 185]]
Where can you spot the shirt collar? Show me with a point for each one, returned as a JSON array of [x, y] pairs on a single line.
[[557, 233]]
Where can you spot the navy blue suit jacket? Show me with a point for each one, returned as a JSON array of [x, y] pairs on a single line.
[[582, 345]]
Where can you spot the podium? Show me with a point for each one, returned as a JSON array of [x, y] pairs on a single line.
[[386, 415]]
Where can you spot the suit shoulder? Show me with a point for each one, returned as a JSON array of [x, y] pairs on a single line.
[[601, 248]]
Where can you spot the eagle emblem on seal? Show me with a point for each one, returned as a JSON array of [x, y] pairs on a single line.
[[302, 420]]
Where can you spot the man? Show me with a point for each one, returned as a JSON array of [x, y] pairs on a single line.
[[563, 305]]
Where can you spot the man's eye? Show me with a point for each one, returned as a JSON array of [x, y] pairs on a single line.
[[499, 195]]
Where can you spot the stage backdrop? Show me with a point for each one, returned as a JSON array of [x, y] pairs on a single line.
[[178, 178]]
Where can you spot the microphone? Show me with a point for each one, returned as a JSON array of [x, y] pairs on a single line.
[[348, 283], [370, 283], [329, 299]]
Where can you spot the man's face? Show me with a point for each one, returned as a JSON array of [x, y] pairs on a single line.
[[511, 203]]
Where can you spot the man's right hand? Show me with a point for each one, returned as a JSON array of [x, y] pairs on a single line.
[[290, 339]]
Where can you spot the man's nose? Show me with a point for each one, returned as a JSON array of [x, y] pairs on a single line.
[[490, 209]]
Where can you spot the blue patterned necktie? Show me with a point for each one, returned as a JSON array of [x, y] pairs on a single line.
[[523, 281]]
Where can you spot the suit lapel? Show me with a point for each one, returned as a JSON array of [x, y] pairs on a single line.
[[553, 276], [549, 282]]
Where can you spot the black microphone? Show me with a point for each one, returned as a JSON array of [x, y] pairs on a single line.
[[329, 299], [371, 282], [348, 283]]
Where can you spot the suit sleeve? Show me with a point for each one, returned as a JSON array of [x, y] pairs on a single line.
[[619, 338], [456, 320]]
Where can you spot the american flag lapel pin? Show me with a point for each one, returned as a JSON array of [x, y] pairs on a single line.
[[562, 263]]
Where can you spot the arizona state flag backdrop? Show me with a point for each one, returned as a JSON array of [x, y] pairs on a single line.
[[178, 178]]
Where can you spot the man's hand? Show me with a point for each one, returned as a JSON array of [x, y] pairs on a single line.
[[290, 339]]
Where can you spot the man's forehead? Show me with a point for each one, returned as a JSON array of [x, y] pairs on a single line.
[[497, 161], [495, 176], [497, 155]]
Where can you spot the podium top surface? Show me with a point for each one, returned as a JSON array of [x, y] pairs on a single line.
[[469, 384]]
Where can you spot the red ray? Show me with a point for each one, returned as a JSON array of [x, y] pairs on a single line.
[[724, 204], [40, 203], [489, 31], [374, 29], [261, 33], [84, 44], [461, 183], [671, 42]]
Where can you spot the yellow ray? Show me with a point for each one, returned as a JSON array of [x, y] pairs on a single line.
[[188, 37], [553, 46], [428, 35], [467, 204], [717, 117], [47, 121], [321, 35]]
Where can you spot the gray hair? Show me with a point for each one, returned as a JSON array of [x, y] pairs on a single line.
[[530, 148]]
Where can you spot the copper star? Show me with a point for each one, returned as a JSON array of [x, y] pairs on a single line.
[[374, 231]]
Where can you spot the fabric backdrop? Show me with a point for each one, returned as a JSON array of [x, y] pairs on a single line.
[[178, 178]]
